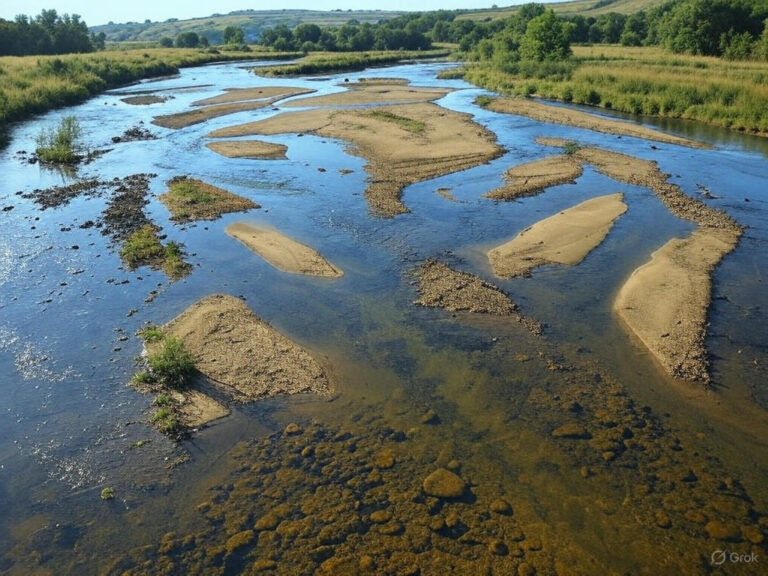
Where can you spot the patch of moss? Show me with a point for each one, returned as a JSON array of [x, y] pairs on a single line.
[[409, 124]]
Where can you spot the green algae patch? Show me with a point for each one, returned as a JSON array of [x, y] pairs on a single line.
[[189, 199]]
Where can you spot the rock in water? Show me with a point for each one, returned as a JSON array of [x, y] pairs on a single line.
[[444, 484]]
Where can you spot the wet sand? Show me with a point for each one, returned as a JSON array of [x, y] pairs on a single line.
[[282, 252], [189, 199], [201, 114], [242, 94], [665, 301], [531, 178], [143, 100], [565, 238], [373, 91], [440, 286], [253, 149], [402, 144], [243, 356], [570, 117]]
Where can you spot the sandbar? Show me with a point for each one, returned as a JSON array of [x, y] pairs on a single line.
[[189, 199], [373, 91], [243, 356], [243, 94], [143, 100], [253, 149], [440, 286], [282, 252], [533, 177], [665, 301], [565, 238], [402, 144], [201, 114], [571, 117]]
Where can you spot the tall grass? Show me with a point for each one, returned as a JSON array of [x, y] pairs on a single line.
[[60, 145], [649, 81], [35, 84], [320, 62]]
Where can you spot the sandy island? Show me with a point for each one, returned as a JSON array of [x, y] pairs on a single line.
[[565, 238], [403, 144], [203, 113], [243, 94], [571, 117], [531, 178], [665, 302], [373, 91], [189, 199], [243, 356], [143, 100], [252, 149], [282, 252], [440, 286]]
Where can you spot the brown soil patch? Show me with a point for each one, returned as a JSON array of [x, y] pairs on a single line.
[[531, 178], [189, 199], [242, 355], [143, 100], [440, 286], [201, 114], [402, 144], [374, 91], [282, 252], [570, 117], [243, 94], [665, 301], [565, 238], [253, 149]]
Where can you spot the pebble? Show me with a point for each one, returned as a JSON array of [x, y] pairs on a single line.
[[443, 483], [571, 430], [752, 534], [263, 565], [267, 522], [501, 506], [367, 564], [381, 516], [498, 548], [292, 429], [662, 520], [392, 529], [720, 530], [430, 417], [385, 459]]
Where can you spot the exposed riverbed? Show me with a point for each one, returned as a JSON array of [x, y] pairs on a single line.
[[454, 440]]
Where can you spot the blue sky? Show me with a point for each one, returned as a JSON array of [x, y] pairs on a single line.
[[101, 12]]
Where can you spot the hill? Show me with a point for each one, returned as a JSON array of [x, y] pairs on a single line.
[[251, 21], [572, 7]]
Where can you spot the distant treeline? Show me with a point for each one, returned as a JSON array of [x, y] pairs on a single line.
[[734, 29], [410, 32], [48, 33]]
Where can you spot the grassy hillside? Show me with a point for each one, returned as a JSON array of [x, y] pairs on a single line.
[[583, 7], [251, 21]]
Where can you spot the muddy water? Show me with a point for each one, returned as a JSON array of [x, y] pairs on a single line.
[[607, 465]]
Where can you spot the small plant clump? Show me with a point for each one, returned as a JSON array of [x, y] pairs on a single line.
[[60, 145], [172, 366], [571, 147], [151, 334], [413, 126], [108, 494], [189, 199], [143, 248]]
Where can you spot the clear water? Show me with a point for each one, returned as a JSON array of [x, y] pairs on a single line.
[[70, 417]]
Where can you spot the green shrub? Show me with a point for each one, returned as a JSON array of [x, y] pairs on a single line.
[[60, 145], [152, 333], [142, 247], [172, 365]]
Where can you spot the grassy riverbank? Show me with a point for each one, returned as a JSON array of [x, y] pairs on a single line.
[[34, 84], [646, 81], [321, 62]]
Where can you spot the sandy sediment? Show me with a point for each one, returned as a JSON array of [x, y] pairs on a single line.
[[242, 94], [531, 178], [282, 252], [243, 356], [403, 144], [665, 301], [570, 117], [143, 100], [203, 113], [189, 199], [565, 238], [440, 286], [374, 91], [253, 149]]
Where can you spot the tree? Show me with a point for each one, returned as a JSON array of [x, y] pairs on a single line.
[[546, 38], [234, 35], [761, 48], [307, 33], [187, 40], [166, 42]]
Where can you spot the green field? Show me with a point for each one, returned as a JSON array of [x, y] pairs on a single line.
[[647, 81], [321, 62], [584, 7]]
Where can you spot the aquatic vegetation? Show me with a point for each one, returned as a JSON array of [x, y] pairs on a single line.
[[172, 365], [143, 248], [60, 145], [108, 494], [190, 199]]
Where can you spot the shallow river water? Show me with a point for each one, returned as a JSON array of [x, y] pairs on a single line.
[[672, 473]]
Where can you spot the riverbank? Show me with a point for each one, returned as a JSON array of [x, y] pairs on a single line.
[[32, 85]]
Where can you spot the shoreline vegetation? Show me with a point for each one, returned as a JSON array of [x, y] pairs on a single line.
[[322, 62]]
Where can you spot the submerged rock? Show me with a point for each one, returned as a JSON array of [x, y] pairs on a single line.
[[443, 483]]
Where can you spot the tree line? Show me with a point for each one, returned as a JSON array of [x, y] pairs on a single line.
[[47, 33]]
